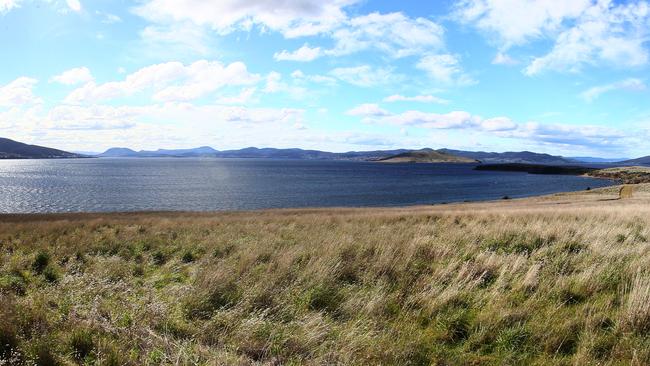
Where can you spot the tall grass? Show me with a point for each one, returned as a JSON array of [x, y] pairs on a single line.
[[482, 284]]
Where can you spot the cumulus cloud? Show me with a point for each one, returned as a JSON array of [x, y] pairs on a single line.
[[605, 32], [417, 98], [292, 18], [300, 76], [503, 59], [445, 69], [245, 96], [558, 134], [98, 127], [368, 110], [365, 75], [515, 22], [18, 93], [75, 5], [74, 76], [175, 38], [572, 135], [584, 31], [394, 34], [7, 5], [171, 81], [631, 84], [303, 54]]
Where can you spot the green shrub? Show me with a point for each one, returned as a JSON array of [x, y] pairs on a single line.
[[223, 252], [8, 338], [454, 326], [159, 258], [325, 297], [50, 274], [81, 343], [517, 243], [202, 304], [43, 353], [188, 257], [13, 282], [41, 261], [138, 270], [512, 339]]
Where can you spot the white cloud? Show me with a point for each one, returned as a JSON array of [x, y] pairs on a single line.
[[7, 5], [303, 54], [632, 84], [584, 32], [394, 33], [557, 135], [74, 5], [293, 18], [572, 135], [18, 93], [451, 120], [108, 18], [204, 77], [606, 32], [67, 117], [365, 75], [171, 81], [498, 124], [98, 127], [503, 59], [275, 84], [515, 22], [368, 110], [445, 69], [175, 38], [417, 98], [74, 76], [300, 76], [245, 96]]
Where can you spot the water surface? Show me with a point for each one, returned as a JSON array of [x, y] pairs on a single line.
[[101, 185]]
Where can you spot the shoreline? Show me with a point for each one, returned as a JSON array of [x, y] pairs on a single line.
[[288, 211]]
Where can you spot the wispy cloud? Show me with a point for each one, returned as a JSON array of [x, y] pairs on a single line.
[[631, 84]]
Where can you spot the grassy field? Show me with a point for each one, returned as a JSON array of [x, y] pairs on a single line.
[[557, 280]]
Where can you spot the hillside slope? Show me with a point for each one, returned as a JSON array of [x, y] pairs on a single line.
[[10, 149], [645, 160], [522, 157], [426, 156]]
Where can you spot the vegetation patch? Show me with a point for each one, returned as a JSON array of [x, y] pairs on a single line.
[[445, 285]]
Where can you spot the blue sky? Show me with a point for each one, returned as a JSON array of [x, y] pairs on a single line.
[[563, 77]]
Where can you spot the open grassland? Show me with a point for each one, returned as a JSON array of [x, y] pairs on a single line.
[[555, 280]]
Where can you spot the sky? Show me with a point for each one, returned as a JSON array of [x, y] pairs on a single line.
[[561, 77]]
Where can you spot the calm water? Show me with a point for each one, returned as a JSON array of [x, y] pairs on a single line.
[[242, 184]]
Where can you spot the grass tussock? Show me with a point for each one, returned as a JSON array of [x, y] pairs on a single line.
[[471, 284]]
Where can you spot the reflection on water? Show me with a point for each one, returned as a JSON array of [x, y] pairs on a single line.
[[241, 184]]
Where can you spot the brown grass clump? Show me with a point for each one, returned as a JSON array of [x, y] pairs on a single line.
[[548, 281]]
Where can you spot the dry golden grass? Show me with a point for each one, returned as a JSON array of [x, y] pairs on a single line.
[[553, 280]]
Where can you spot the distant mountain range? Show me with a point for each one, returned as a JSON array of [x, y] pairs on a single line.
[[252, 152], [586, 159], [445, 155], [10, 149], [640, 161], [523, 157]]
